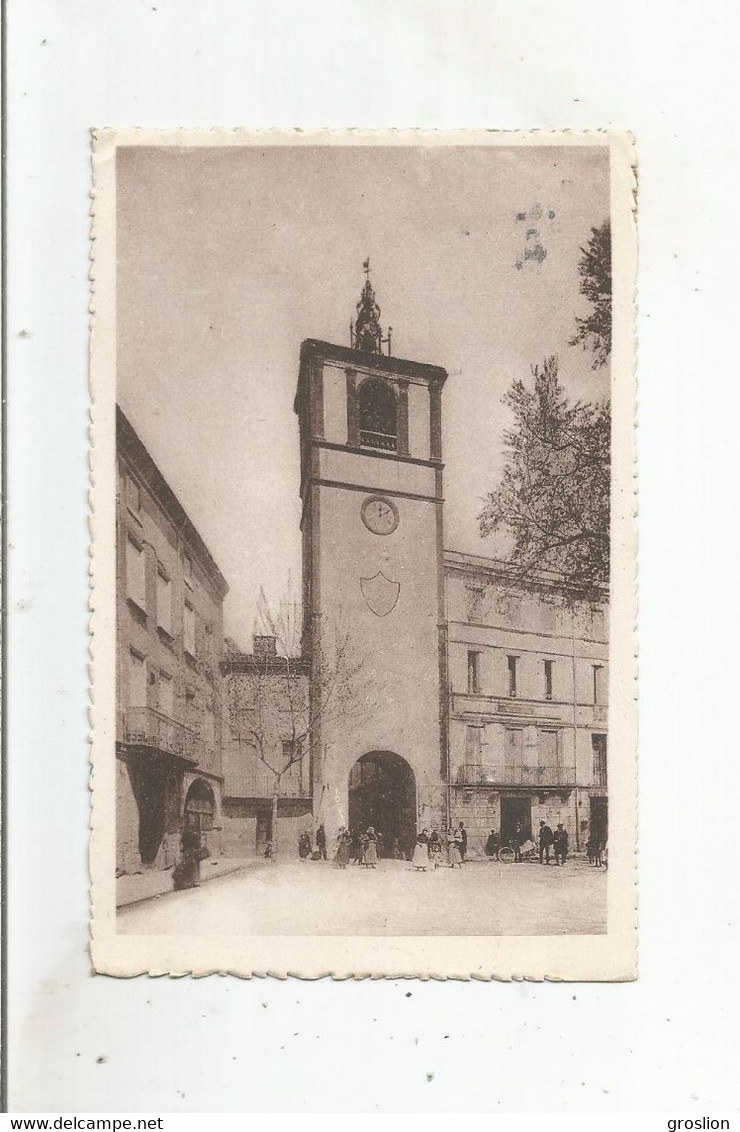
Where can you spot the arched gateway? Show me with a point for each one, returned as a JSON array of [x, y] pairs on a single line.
[[382, 794]]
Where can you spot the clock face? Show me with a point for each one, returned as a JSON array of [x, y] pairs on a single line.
[[380, 515]]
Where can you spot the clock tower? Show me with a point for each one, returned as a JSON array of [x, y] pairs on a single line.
[[373, 582]]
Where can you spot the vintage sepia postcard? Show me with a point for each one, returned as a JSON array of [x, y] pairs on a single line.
[[364, 556]]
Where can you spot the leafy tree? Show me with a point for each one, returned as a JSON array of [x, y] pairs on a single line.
[[595, 269], [553, 499]]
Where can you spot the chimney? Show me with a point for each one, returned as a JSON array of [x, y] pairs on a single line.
[[264, 648]]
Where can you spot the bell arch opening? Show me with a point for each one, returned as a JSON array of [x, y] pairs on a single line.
[[378, 415], [382, 794]]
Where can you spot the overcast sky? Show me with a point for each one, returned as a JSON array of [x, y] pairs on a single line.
[[229, 257]]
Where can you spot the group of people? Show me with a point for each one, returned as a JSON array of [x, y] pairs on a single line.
[[434, 850], [549, 841], [596, 849], [437, 850], [555, 840], [360, 847], [306, 849], [364, 847]]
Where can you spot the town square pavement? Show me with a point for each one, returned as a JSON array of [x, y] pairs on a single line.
[[315, 898]]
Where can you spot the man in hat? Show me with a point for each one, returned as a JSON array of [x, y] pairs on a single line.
[[560, 843], [546, 840]]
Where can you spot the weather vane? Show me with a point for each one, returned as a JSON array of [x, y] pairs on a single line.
[[365, 333]]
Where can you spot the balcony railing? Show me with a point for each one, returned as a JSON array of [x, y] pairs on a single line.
[[260, 783], [145, 727], [476, 774], [378, 440]]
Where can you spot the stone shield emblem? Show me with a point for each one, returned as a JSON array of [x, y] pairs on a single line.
[[380, 593]]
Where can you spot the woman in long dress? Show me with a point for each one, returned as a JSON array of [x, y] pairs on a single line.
[[304, 846], [435, 849], [186, 873], [371, 849], [420, 859], [341, 857], [453, 850]]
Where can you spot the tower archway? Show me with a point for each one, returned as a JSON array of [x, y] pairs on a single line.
[[382, 794]]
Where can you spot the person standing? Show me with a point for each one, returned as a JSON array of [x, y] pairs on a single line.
[[546, 840], [435, 849], [420, 859], [321, 842], [186, 873], [453, 850], [344, 842], [463, 834], [492, 844], [371, 849], [516, 841], [304, 846], [560, 842]]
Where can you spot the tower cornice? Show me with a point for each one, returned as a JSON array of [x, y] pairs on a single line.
[[315, 350]]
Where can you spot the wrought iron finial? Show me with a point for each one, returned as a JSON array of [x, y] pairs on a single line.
[[365, 333]]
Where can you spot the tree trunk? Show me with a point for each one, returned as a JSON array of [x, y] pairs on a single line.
[[274, 825]]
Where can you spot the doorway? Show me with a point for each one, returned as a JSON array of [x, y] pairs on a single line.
[[515, 810], [263, 831], [600, 819], [200, 807], [382, 794], [150, 798]]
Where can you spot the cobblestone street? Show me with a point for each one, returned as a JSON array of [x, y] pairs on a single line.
[[315, 898]]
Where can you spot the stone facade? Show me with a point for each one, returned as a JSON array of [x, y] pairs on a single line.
[[371, 488], [491, 694], [528, 694], [169, 643]]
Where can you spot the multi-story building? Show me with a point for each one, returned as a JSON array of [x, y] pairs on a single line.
[[477, 697], [169, 639], [487, 697], [267, 758], [528, 685]]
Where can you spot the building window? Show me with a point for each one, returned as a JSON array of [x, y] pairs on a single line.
[[511, 662], [475, 597], [188, 629], [166, 695], [136, 574], [513, 748], [292, 749], [598, 745], [548, 615], [136, 680], [510, 606], [548, 679], [378, 415], [164, 602], [473, 672], [548, 749], [598, 682], [473, 745], [292, 752]]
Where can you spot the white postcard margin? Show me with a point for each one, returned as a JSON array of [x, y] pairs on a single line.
[[608, 957]]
